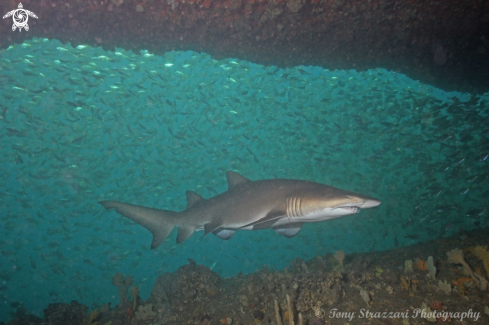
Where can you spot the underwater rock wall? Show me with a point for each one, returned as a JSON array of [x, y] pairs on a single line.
[[411, 285], [443, 43]]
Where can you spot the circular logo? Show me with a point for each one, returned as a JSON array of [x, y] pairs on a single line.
[[320, 313], [20, 17]]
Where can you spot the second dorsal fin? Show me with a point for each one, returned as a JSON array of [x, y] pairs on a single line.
[[235, 179], [193, 198]]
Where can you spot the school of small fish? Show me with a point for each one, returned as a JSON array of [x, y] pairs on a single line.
[[80, 124]]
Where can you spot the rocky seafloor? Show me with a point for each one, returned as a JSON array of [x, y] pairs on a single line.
[[442, 281]]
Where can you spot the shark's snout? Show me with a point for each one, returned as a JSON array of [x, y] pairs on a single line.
[[370, 203]]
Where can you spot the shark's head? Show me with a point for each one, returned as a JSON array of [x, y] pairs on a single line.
[[325, 202]]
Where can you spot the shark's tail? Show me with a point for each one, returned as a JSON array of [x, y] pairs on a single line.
[[159, 222]]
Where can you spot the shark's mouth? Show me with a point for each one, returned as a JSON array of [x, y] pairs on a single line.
[[351, 209]]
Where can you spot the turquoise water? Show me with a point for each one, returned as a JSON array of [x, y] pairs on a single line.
[[79, 125]]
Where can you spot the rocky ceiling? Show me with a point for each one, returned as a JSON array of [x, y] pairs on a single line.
[[444, 43]]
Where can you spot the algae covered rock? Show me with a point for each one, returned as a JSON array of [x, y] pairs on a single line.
[[195, 280], [191, 282], [62, 314], [165, 288], [145, 312], [318, 289]]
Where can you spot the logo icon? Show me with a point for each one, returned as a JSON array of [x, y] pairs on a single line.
[[20, 16]]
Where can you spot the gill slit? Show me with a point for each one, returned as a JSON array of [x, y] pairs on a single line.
[[294, 212], [298, 207], [287, 207], [293, 207]]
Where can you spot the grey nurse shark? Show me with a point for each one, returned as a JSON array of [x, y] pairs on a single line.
[[281, 204]]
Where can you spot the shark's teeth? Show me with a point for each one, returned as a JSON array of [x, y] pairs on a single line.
[[352, 209]]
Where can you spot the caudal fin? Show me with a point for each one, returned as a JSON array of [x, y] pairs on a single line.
[[159, 222]]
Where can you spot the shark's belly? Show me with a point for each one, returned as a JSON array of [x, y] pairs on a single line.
[[326, 215]]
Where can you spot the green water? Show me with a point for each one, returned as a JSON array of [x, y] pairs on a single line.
[[79, 125]]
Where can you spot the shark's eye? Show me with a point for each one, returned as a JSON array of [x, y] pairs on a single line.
[[349, 197]]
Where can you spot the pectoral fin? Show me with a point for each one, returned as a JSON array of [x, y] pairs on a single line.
[[290, 230]]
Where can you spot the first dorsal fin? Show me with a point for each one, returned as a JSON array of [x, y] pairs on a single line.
[[235, 179], [193, 198]]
